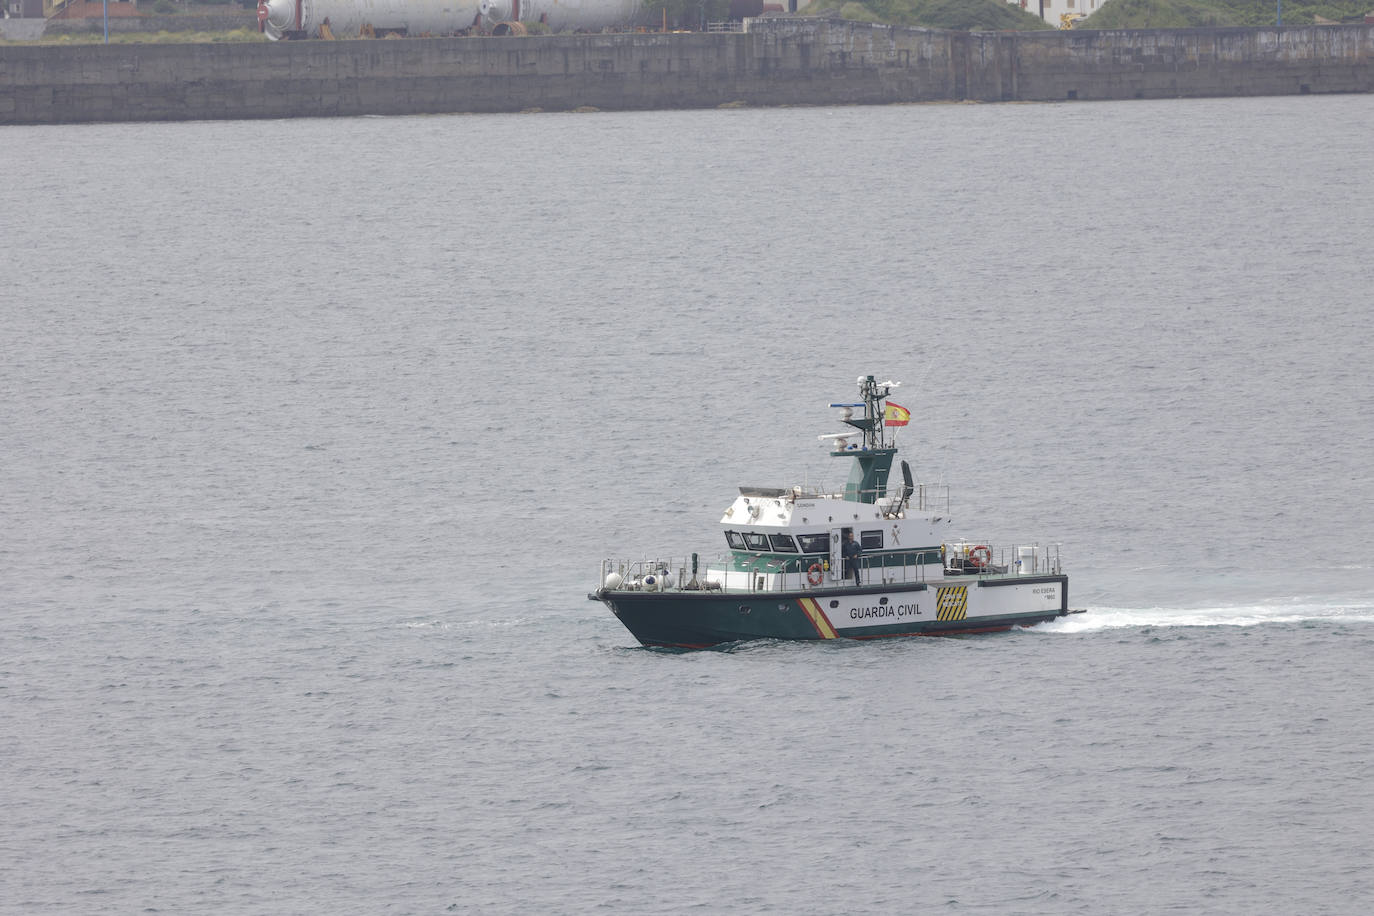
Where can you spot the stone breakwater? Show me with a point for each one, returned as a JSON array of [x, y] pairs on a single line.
[[773, 62]]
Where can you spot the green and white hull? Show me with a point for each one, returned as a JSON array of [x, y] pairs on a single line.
[[870, 562], [699, 619]]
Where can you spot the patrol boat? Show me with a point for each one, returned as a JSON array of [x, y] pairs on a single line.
[[787, 575]]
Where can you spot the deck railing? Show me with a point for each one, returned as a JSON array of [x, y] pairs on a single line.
[[925, 497], [964, 560]]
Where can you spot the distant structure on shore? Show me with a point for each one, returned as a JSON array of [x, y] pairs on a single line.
[[23, 9], [1061, 14], [379, 18]]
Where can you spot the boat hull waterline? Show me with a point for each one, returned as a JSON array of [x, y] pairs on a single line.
[[701, 619]]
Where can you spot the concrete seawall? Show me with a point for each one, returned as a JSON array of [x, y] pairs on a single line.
[[774, 62]]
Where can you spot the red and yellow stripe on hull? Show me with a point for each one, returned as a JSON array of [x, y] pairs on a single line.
[[812, 608]]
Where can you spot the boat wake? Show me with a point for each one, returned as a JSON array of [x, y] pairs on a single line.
[[1296, 612]]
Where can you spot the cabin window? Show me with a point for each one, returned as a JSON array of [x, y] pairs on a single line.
[[783, 543], [735, 540], [756, 541], [871, 540], [814, 543]]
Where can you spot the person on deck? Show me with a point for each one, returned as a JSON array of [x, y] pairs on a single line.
[[852, 550]]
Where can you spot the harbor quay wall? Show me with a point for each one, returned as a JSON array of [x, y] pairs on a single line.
[[1176, 63], [782, 61]]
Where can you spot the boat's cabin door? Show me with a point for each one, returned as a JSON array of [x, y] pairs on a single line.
[[836, 554]]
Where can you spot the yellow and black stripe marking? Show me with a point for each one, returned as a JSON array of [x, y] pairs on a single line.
[[951, 602], [812, 608]]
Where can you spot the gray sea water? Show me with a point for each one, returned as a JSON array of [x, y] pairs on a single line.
[[314, 433]]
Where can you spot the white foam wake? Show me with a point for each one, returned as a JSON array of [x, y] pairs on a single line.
[[1106, 618]]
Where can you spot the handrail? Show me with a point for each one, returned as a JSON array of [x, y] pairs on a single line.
[[925, 497], [677, 574]]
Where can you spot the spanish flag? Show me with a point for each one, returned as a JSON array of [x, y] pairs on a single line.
[[896, 415]]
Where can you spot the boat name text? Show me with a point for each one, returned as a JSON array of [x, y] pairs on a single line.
[[888, 610]]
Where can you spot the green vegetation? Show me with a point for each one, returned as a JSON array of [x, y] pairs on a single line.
[[690, 12], [1188, 14], [958, 15], [971, 15], [143, 38]]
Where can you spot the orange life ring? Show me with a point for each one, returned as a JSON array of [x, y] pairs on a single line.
[[813, 575], [980, 556]]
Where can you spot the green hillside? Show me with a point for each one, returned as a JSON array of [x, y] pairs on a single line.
[[1187, 14], [970, 15], [960, 15]]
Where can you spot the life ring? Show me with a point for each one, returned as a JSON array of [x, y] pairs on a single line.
[[813, 575], [980, 556]]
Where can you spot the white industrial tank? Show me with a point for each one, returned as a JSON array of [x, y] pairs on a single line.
[[569, 15], [346, 18], [293, 18]]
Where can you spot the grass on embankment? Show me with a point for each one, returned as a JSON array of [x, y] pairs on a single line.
[[957, 15], [142, 38], [1192, 14]]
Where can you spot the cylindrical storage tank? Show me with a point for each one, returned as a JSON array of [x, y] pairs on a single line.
[[285, 18], [570, 15], [495, 12]]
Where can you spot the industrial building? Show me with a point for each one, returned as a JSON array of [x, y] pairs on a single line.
[[1060, 13]]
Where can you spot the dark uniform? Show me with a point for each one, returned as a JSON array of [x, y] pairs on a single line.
[[852, 550]]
